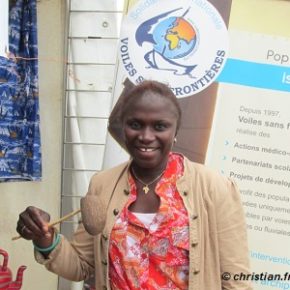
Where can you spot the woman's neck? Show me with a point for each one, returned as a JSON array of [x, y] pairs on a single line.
[[147, 174]]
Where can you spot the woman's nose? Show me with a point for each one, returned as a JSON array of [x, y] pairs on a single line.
[[146, 135]]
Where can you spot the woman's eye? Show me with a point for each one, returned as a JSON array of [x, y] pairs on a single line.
[[135, 125], [160, 127]]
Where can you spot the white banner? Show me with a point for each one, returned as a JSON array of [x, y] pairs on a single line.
[[249, 137]]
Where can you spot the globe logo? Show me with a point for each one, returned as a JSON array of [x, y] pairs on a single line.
[[182, 43], [174, 37]]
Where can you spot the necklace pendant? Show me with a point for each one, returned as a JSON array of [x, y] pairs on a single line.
[[145, 189]]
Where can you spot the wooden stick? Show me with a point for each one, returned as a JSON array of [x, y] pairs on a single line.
[[55, 222]]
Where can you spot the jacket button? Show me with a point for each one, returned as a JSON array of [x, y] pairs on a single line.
[[185, 193], [194, 244], [194, 216], [115, 211], [105, 237], [104, 287], [104, 262], [126, 191], [196, 271]]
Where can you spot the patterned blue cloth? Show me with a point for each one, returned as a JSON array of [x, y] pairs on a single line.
[[20, 154]]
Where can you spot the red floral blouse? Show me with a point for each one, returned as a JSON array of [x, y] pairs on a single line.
[[152, 255]]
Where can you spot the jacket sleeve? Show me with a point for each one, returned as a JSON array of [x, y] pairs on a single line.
[[71, 260], [232, 236]]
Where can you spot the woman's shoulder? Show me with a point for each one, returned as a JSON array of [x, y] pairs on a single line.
[[110, 173], [200, 169], [207, 176]]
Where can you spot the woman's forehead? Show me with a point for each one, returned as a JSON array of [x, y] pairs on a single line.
[[153, 107], [150, 99]]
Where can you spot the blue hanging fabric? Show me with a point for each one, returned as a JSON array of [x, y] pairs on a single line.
[[20, 154]]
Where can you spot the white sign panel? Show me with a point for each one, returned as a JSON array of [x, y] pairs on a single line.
[[182, 43]]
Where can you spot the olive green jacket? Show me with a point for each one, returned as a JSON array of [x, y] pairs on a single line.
[[218, 240]]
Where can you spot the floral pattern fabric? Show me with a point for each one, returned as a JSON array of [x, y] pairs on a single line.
[[20, 154], [153, 256]]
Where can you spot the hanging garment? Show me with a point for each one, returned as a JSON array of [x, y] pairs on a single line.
[[20, 154]]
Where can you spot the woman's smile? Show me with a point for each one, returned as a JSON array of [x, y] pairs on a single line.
[[146, 152], [146, 149]]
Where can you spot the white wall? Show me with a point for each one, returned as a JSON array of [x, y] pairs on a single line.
[[15, 197]]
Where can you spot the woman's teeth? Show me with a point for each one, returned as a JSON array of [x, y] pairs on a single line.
[[146, 149]]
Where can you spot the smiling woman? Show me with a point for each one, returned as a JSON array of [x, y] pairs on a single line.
[[170, 223]]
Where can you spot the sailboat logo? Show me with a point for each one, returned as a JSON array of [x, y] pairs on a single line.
[[184, 44]]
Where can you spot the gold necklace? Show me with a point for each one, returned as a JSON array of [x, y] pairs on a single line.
[[145, 187]]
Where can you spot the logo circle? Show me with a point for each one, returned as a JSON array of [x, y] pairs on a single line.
[[184, 44]]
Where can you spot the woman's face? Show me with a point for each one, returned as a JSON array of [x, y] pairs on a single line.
[[150, 126]]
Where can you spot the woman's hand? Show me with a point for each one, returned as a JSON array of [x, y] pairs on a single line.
[[33, 225]]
